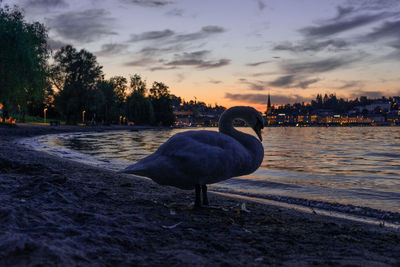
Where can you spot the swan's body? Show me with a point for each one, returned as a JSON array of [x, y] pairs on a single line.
[[196, 158]]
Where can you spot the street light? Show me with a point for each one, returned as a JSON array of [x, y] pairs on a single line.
[[44, 111], [83, 116]]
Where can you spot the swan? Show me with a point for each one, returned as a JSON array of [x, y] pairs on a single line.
[[193, 159]]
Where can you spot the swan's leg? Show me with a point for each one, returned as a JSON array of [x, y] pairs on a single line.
[[205, 198], [197, 201]]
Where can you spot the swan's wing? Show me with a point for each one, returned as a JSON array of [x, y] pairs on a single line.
[[207, 154], [195, 157]]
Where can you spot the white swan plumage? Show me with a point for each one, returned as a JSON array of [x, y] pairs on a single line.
[[193, 159]]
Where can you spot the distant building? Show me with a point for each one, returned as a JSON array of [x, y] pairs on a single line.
[[393, 116], [183, 117], [384, 107]]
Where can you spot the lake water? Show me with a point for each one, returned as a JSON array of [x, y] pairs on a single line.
[[356, 166]]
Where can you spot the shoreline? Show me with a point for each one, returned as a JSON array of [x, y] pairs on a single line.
[[62, 212]]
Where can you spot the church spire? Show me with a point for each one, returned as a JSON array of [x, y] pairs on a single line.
[[269, 107]]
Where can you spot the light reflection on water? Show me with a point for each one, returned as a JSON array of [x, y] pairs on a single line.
[[357, 165]]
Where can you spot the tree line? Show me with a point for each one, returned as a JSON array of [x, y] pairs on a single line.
[[73, 86], [331, 102]]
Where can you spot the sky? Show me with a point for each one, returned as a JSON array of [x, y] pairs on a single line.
[[236, 52]]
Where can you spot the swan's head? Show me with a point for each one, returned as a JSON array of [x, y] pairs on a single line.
[[251, 116]]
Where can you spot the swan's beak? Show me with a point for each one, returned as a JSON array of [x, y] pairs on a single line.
[[258, 132], [257, 128]]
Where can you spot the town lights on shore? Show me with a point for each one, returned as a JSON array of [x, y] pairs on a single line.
[[44, 111]]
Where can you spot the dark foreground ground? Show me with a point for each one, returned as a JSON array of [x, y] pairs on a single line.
[[58, 212]]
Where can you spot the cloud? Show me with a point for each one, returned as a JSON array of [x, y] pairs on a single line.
[[44, 4], [111, 49], [283, 81], [83, 26], [248, 98], [180, 77], [151, 35], [162, 68], [317, 66], [142, 62], [336, 26], [352, 15], [350, 84], [302, 73], [286, 81], [169, 36], [297, 74], [214, 64], [388, 30], [193, 55], [312, 46], [193, 58], [205, 32], [55, 44], [200, 64], [147, 3], [343, 12], [214, 81], [254, 85], [373, 5], [197, 59], [371, 94], [160, 43], [255, 64], [293, 81], [395, 55], [261, 4], [157, 51], [262, 98], [305, 83], [176, 12], [395, 45], [258, 74]]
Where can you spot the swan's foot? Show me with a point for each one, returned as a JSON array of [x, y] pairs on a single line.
[[205, 198], [197, 200], [200, 189]]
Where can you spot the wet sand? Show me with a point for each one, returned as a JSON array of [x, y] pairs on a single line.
[[58, 212]]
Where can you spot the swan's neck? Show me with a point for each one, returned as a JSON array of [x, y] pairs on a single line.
[[251, 144], [225, 124]]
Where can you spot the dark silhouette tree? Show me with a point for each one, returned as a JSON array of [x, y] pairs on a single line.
[[162, 104], [139, 107], [23, 60], [120, 85], [138, 85], [76, 75], [105, 100]]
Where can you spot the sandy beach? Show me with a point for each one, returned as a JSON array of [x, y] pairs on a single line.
[[58, 212]]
